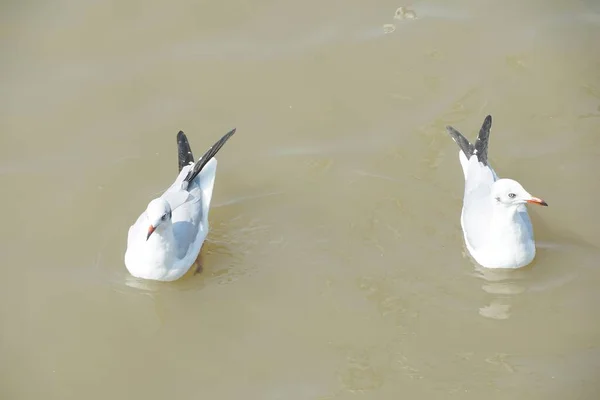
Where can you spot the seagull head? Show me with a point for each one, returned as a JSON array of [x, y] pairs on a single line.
[[158, 212], [510, 193]]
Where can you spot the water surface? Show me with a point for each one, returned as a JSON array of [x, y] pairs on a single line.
[[335, 267]]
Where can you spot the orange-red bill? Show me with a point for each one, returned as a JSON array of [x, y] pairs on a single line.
[[535, 200], [150, 230]]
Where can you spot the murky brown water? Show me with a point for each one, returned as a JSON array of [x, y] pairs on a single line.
[[335, 268]]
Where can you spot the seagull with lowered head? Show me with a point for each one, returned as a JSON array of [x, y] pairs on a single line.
[[166, 239]]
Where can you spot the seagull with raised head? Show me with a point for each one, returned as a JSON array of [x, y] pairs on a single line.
[[166, 239], [496, 227]]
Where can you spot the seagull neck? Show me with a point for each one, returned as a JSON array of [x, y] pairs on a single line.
[[162, 242], [504, 215]]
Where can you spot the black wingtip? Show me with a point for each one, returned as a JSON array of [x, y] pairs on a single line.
[[462, 142], [480, 148], [210, 153], [184, 152], [481, 145]]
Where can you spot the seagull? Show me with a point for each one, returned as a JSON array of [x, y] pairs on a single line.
[[166, 239], [496, 227]]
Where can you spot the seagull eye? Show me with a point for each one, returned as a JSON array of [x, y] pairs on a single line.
[[164, 217], [512, 195]]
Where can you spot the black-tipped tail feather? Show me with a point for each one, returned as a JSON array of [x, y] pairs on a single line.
[[185, 155], [480, 148], [207, 157]]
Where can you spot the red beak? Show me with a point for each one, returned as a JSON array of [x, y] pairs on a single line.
[[150, 230], [535, 200]]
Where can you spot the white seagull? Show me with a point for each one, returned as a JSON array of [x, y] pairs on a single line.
[[494, 219], [166, 239]]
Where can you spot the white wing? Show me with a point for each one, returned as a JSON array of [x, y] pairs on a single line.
[[477, 205], [190, 209]]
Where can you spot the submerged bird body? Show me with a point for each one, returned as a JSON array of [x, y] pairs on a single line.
[[166, 239], [494, 219]]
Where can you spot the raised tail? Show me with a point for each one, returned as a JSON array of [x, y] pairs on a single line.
[[184, 151], [210, 153], [480, 148]]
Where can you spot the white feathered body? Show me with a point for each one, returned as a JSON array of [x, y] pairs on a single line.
[[496, 236], [173, 248]]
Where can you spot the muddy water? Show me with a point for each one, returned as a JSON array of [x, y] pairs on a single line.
[[335, 268]]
